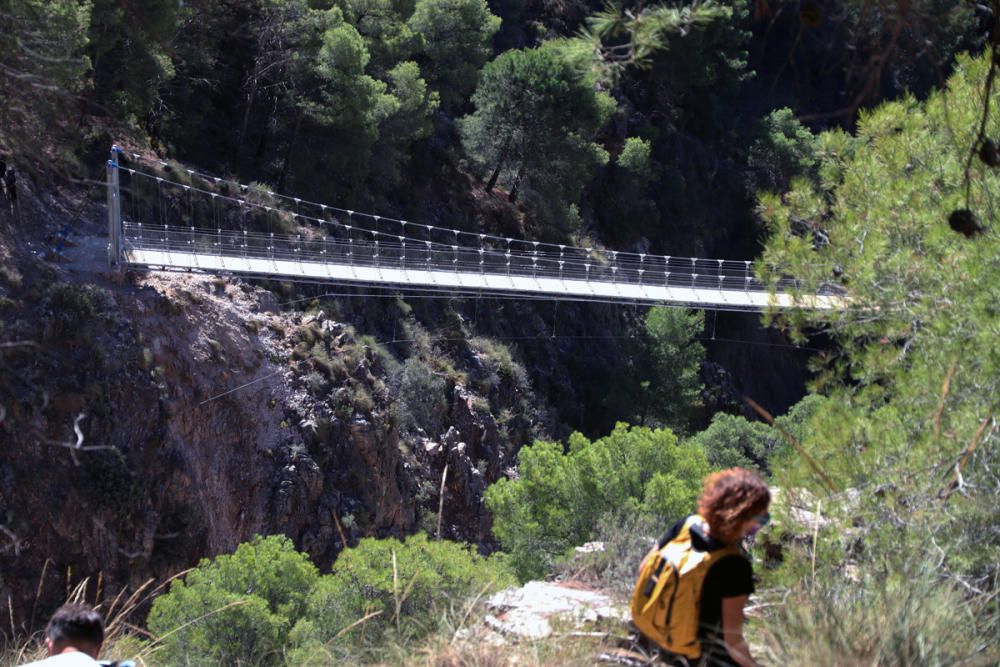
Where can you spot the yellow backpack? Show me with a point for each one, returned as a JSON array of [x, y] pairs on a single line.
[[666, 603]]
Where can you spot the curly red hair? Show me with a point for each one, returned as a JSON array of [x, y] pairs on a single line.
[[729, 499]]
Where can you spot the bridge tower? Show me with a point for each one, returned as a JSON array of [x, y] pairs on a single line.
[[115, 244]]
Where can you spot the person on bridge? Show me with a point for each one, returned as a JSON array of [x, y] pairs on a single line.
[[73, 637], [694, 583]]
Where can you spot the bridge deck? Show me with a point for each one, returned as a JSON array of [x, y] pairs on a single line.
[[467, 282]]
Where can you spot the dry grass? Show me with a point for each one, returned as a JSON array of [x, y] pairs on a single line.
[[896, 619], [122, 639], [567, 650]]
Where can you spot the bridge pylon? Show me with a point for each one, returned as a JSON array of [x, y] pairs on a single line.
[[115, 232]]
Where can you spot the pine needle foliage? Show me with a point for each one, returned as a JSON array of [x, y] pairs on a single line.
[[619, 37], [909, 433]]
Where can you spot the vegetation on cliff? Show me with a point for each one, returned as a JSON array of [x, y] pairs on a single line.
[[677, 128]]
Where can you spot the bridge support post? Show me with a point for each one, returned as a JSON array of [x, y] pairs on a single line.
[[114, 211]]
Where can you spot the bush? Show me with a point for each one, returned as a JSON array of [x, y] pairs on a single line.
[[316, 383], [343, 403], [558, 499], [894, 616], [635, 158], [734, 441], [499, 359], [72, 308], [236, 608], [422, 397], [731, 440], [363, 403], [387, 585], [382, 358]]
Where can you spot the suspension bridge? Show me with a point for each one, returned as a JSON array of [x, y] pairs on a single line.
[[173, 218]]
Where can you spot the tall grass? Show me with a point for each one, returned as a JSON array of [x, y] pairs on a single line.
[[626, 539], [122, 639], [462, 640], [896, 616]]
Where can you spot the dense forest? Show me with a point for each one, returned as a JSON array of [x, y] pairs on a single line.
[[850, 144]]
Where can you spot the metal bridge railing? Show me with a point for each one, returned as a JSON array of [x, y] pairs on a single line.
[[416, 255]]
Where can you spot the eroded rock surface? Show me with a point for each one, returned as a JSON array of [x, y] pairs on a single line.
[[207, 413]]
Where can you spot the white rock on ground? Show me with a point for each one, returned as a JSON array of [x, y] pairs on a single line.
[[527, 612]]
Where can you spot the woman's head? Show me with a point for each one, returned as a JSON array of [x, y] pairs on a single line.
[[730, 500]]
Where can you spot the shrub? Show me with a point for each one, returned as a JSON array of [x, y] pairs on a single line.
[[498, 358], [332, 368], [635, 158], [363, 402], [71, 308], [235, 608], [734, 441], [388, 585], [382, 357], [731, 440], [896, 615], [422, 397], [316, 383], [558, 498], [343, 403]]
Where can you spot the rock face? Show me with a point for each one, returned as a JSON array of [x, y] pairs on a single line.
[[205, 415]]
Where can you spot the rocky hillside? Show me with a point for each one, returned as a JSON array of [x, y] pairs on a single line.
[[160, 418]]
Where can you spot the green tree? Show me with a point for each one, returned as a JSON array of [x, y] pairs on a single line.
[[383, 25], [395, 585], [635, 159], [310, 75], [534, 120], [909, 421], [128, 46], [455, 38], [620, 37], [345, 97], [42, 69], [621, 195], [671, 362], [236, 608], [404, 103], [678, 69], [559, 497], [783, 150], [732, 440], [365, 105]]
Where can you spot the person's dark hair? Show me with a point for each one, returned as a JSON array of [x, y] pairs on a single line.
[[730, 498], [75, 624]]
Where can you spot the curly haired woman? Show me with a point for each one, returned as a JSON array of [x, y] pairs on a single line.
[[733, 505]]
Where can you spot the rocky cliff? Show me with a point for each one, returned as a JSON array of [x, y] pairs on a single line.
[[148, 420], [151, 420]]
